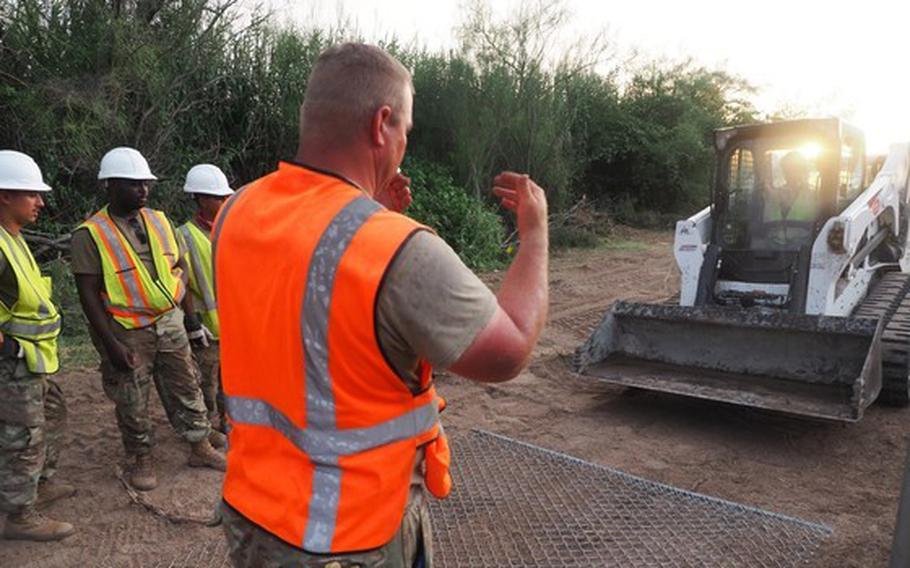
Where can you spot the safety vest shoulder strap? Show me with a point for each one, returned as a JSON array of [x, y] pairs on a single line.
[[161, 230], [191, 228], [112, 245]]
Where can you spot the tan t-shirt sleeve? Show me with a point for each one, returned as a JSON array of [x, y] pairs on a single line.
[[84, 256], [431, 306]]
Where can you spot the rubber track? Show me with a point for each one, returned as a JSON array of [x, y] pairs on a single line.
[[889, 301]]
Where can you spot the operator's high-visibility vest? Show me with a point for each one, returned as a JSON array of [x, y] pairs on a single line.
[[131, 295], [802, 209], [324, 434], [199, 247], [33, 320]]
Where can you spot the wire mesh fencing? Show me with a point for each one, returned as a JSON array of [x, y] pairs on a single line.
[[518, 505], [515, 504]]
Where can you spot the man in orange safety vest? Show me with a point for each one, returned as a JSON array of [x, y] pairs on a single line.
[[334, 308]]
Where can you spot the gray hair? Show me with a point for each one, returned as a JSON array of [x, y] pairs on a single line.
[[348, 84]]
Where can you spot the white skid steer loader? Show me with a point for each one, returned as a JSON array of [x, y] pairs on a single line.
[[794, 282]]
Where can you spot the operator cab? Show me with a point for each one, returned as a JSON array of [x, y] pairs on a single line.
[[775, 187]]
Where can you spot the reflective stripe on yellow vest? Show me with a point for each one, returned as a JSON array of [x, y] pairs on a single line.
[[131, 295], [199, 246], [33, 320]]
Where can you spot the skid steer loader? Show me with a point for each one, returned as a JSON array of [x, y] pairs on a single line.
[[794, 284]]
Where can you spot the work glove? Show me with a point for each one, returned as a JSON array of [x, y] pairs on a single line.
[[201, 337], [193, 328]]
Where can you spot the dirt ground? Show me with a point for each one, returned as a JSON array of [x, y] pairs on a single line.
[[846, 476]]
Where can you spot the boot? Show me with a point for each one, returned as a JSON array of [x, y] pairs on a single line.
[[202, 454], [217, 439], [50, 491], [143, 475], [29, 524]]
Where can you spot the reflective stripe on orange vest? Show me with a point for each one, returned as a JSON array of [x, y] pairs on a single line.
[[343, 487], [327, 445]]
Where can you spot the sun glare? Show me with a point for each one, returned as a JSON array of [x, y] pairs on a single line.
[[810, 151]]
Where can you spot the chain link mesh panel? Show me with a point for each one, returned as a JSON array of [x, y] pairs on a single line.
[[212, 554], [519, 505]]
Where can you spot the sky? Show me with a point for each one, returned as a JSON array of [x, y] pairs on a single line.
[[847, 60]]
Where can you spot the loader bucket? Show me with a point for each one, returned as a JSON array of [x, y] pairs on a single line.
[[818, 366]]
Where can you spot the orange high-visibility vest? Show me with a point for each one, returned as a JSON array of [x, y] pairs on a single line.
[[323, 433]]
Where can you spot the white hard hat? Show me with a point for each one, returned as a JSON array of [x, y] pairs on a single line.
[[19, 172], [125, 163], [207, 179]]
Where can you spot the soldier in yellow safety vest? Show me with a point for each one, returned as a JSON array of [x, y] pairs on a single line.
[[790, 209], [131, 276], [209, 187], [32, 407]]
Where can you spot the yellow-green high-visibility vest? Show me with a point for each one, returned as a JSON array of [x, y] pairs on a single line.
[[131, 295], [802, 208], [199, 248], [33, 320]]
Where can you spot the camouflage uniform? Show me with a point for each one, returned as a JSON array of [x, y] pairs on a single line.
[[32, 420], [164, 357], [411, 547], [210, 379]]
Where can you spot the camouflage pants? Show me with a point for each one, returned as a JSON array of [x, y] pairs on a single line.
[[208, 361], [164, 355], [253, 547], [32, 420]]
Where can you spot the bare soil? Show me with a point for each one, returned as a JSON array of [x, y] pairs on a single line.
[[846, 476]]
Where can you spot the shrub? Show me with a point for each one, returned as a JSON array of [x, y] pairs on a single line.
[[572, 237], [472, 228], [66, 296], [203, 81], [74, 345]]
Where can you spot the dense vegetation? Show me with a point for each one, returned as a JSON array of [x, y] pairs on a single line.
[[201, 80]]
